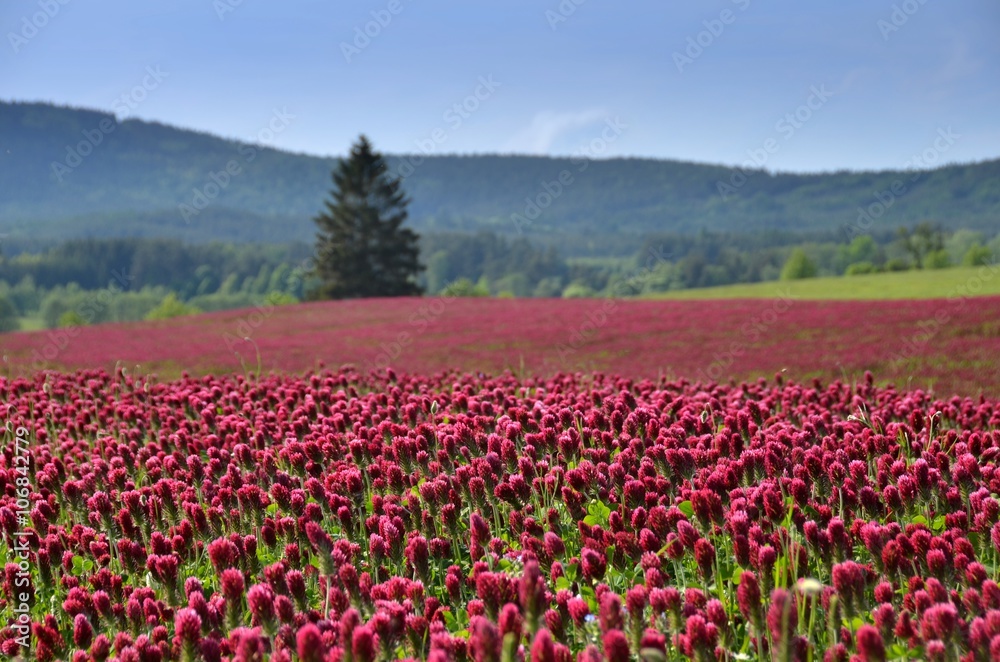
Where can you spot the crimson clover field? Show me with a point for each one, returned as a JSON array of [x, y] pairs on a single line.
[[745, 490], [950, 345]]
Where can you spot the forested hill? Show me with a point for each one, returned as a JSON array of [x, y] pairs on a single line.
[[132, 178]]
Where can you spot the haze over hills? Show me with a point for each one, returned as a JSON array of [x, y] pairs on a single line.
[[68, 172]]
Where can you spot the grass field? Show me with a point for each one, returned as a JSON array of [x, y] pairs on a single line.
[[925, 284], [31, 323]]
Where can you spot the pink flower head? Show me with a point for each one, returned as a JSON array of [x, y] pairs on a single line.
[[531, 590], [284, 608], [616, 646], [716, 613], [248, 644], [654, 640], [937, 562], [936, 650], [479, 529], [231, 581], [578, 610], [635, 494], [766, 557], [83, 632], [849, 582], [636, 599], [748, 596], [348, 576], [211, 650], [349, 621], [774, 504], [593, 564], [707, 507], [378, 546], [222, 553], [701, 636], [939, 621], [610, 616], [418, 554], [296, 583], [885, 618], [687, 533], [101, 648], [364, 644], [510, 620], [475, 608], [192, 585], [782, 616], [905, 628], [484, 640], [936, 590], [102, 603], [554, 546], [260, 597], [704, 554], [871, 648], [975, 574], [695, 597], [543, 649], [991, 594], [187, 625]]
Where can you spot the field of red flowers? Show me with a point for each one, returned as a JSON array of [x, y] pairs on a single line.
[[342, 517], [949, 345]]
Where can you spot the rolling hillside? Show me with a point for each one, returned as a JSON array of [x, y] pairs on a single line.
[[68, 172]]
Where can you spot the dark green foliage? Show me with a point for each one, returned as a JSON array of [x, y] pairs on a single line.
[[463, 287], [362, 248], [922, 242], [484, 255], [188, 269], [8, 316], [863, 255]]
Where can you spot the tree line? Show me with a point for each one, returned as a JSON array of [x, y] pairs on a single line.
[[49, 283]]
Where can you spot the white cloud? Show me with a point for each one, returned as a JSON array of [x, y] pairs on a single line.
[[547, 126]]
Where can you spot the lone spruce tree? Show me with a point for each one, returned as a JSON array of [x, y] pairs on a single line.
[[362, 248]]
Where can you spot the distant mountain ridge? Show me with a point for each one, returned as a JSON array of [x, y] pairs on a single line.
[[72, 172]]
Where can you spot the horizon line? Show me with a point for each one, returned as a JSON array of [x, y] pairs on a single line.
[[664, 159]]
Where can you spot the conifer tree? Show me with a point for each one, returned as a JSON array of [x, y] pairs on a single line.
[[362, 248]]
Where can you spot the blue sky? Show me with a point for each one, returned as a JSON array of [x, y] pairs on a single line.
[[798, 86]]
